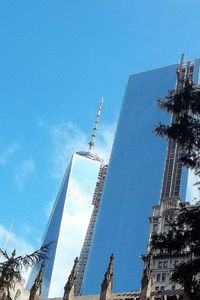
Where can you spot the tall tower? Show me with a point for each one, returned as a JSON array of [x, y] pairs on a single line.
[[133, 182], [70, 217]]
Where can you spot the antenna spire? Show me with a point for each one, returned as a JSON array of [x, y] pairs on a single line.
[[8, 234], [94, 130]]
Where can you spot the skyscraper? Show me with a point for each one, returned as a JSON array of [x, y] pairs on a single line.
[[69, 218], [133, 182]]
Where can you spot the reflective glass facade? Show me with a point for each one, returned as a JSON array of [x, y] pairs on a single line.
[[68, 222], [132, 184], [193, 192]]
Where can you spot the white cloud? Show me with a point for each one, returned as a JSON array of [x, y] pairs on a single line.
[[66, 138], [22, 172], [7, 153], [27, 229]]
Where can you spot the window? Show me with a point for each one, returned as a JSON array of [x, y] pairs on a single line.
[[163, 276], [157, 288], [162, 288], [158, 277], [165, 264], [160, 264]]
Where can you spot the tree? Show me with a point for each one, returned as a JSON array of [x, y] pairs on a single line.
[[11, 267], [183, 236], [185, 127], [183, 239]]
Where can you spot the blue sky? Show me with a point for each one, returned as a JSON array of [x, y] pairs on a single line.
[[57, 58]]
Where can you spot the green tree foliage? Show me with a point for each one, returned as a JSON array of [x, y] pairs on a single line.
[[11, 267], [183, 237], [185, 127]]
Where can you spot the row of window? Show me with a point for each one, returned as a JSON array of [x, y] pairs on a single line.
[[159, 288], [161, 277], [164, 264], [162, 288]]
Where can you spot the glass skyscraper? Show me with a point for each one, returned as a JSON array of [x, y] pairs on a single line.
[[68, 222], [132, 183]]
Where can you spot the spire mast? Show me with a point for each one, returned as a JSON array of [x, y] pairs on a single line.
[[8, 234], [94, 130]]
